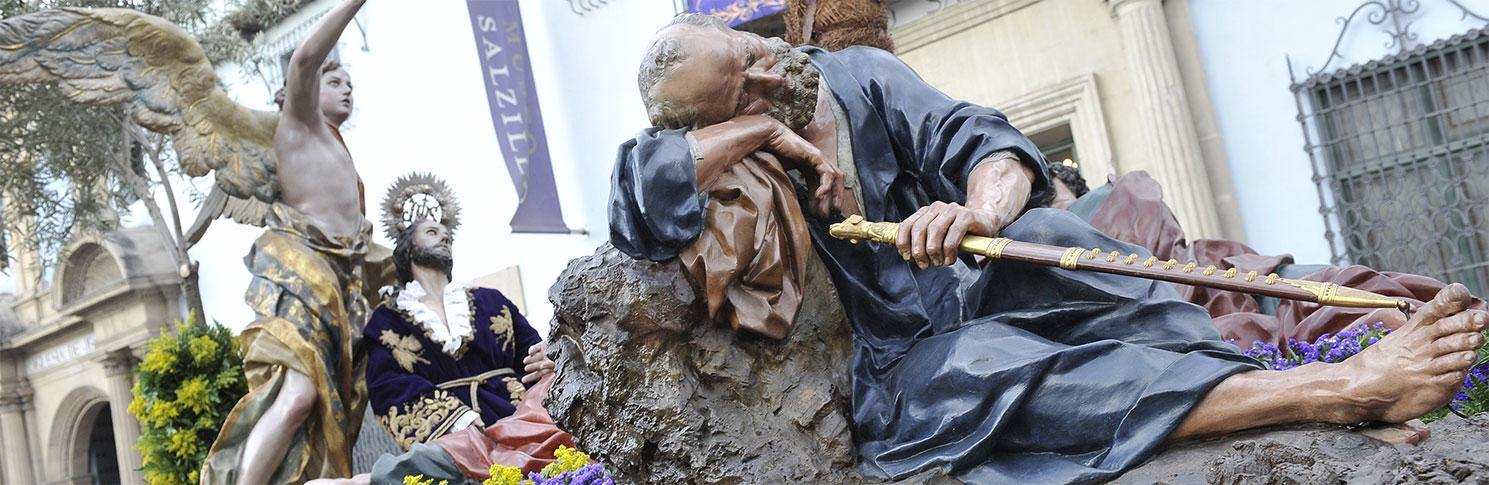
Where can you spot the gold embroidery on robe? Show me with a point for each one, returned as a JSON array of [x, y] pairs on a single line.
[[423, 420], [515, 389], [502, 326], [405, 349]]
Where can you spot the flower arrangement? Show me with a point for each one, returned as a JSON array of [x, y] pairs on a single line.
[[572, 468], [183, 391], [1473, 399], [1328, 348]]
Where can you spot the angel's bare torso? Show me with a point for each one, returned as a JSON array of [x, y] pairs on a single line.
[[317, 177]]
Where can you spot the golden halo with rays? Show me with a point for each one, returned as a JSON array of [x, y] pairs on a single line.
[[415, 196]]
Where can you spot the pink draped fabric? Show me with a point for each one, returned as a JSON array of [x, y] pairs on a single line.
[[527, 439]]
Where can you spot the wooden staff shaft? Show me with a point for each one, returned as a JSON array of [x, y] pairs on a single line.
[[1114, 262]]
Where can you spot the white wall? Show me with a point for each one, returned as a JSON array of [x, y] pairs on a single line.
[[421, 105], [1245, 46]]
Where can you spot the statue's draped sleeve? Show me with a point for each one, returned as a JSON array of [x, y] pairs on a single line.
[[655, 207]]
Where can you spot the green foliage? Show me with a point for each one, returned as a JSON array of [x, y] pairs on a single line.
[[183, 392], [255, 16]]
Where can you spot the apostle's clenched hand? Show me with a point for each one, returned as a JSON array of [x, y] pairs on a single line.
[[933, 234], [536, 364]]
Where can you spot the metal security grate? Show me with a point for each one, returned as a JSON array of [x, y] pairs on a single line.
[[1400, 151]]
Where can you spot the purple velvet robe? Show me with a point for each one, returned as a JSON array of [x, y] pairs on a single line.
[[405, 368]]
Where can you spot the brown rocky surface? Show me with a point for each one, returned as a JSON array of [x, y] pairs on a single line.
[[659, 393], [1457, 452]]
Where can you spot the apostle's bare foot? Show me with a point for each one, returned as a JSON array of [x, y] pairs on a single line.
[[1418, 367]]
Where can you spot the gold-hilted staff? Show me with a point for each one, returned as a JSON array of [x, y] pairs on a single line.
[[855, 229]]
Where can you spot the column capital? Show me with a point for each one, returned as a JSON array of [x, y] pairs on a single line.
[[1116, 5], [118, 362], [16, 399]]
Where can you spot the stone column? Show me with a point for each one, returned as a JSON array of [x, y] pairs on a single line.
[[1168, 125], [25, 264], [119, 366], [13, 403]]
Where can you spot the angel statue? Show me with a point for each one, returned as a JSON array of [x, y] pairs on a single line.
[[302, 355]]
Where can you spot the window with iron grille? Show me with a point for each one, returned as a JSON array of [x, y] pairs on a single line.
[[1401, 157]]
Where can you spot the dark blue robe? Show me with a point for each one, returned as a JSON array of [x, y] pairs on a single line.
[[405, 367], [1011, 372]]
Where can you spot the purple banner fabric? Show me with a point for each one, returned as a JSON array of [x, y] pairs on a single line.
[[735, 12], [513, 100]]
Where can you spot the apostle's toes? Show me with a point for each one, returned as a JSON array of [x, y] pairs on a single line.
[[1462, 323], [1459, 342], [1456, 362], [1450, 300], [1450, 382]]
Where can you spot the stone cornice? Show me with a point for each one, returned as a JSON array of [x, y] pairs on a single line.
[[951, 20]]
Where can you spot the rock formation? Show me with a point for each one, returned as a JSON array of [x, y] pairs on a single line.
[[659, 393]]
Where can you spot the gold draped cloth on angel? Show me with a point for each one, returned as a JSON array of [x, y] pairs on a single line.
[[307, 293]]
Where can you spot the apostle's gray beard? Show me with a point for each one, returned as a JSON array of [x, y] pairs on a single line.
[[796, 103], [432, 258]]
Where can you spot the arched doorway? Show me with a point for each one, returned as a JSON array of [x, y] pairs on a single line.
[[82, 449], [102, 458]]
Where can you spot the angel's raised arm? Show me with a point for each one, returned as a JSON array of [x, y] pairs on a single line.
[[303, 82]]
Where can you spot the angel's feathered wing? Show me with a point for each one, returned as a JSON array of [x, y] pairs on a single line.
[[163, 78]]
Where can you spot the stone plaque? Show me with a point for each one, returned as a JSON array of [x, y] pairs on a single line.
[[66, 352]]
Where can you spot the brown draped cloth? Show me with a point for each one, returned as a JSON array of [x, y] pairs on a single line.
[[1135, 212], [750, 260], [527, 439]]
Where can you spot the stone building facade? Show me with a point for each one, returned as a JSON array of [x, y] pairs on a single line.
[[68, 352], [1116, 85]]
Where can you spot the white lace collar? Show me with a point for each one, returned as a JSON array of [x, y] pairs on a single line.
[[452, 334]]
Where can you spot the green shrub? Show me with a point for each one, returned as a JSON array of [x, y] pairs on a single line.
[[183, 391]]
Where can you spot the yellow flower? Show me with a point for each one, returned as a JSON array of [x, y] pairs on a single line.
[[193, 395], [162, 413], [203, 349], [162, 356], [153, 477], [569, 460], [183, 444], [506, 475], [419, 480], [137, 404]]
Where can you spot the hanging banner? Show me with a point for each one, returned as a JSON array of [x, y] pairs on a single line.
[[513, 100], [736, 12]]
